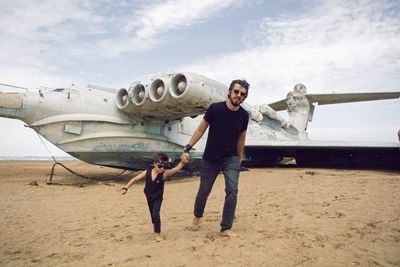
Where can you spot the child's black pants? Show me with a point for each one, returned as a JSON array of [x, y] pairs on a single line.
[[154, 208]]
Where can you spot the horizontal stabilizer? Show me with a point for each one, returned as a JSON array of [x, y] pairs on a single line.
[[324, 99], [280, 105]]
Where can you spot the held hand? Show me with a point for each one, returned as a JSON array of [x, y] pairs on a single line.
[[123, 191], [185, 159], [185, 156]]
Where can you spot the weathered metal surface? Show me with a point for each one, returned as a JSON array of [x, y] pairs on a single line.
[[80, 117], [11, 100]]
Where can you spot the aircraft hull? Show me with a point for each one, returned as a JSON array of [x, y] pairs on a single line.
[[353, 156], [125, 128], [133, 160]]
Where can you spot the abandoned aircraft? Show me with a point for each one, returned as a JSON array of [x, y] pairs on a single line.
[[124, 128]]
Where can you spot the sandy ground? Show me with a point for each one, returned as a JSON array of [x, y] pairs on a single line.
[[285, 217]]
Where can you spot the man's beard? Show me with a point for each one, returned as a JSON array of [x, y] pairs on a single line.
[[233, 103]]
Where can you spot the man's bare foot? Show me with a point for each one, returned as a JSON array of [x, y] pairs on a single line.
[[159, 238], [230, 233], [195, 224]]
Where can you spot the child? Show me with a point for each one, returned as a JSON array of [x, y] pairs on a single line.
[[154, 188]]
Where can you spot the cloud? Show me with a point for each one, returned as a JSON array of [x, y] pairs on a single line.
[[37, 37], [34, 19], [153, 19], [353, 47], [154, 24], [44, 38]]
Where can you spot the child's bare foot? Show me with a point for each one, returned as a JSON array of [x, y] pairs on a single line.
[[159, 238], [195, 224], [229, 233]]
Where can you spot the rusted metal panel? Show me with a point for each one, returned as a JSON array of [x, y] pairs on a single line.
[[74, 129]]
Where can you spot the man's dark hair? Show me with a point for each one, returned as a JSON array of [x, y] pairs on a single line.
[[160, 157], [243, 83]]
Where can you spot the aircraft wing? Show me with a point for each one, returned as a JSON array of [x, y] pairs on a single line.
[[325, 153], [324, 99]]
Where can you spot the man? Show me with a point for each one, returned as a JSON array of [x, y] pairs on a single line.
[[398, 135], [224, 148]]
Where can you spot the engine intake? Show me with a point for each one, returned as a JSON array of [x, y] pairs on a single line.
[[158, 90], [178, 85], [138, 94], [122, 99]]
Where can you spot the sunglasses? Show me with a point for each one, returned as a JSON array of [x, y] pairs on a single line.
[[241, 93], [161, 164]]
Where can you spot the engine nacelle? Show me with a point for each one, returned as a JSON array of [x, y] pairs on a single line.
[[191, 89], [171, 96], [159, 90]]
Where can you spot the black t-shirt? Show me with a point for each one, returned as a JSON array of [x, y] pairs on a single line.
[[224, 130], [154, 189]]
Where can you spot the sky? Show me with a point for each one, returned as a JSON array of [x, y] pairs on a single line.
[[336, 46]]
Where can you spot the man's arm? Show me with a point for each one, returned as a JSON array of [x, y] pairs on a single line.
[[241, 141], [198, 133]]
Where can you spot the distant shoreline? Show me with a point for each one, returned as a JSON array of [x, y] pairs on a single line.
[[37, 158]]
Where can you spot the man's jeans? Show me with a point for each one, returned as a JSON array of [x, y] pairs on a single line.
[[230, 168]]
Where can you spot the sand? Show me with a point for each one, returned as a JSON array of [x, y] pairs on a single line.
[[285, 217]]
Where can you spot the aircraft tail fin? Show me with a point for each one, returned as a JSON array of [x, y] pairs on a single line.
[[300, 105]]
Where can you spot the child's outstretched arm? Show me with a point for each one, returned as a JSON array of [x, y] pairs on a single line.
[[176, 168], [132, 181]]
